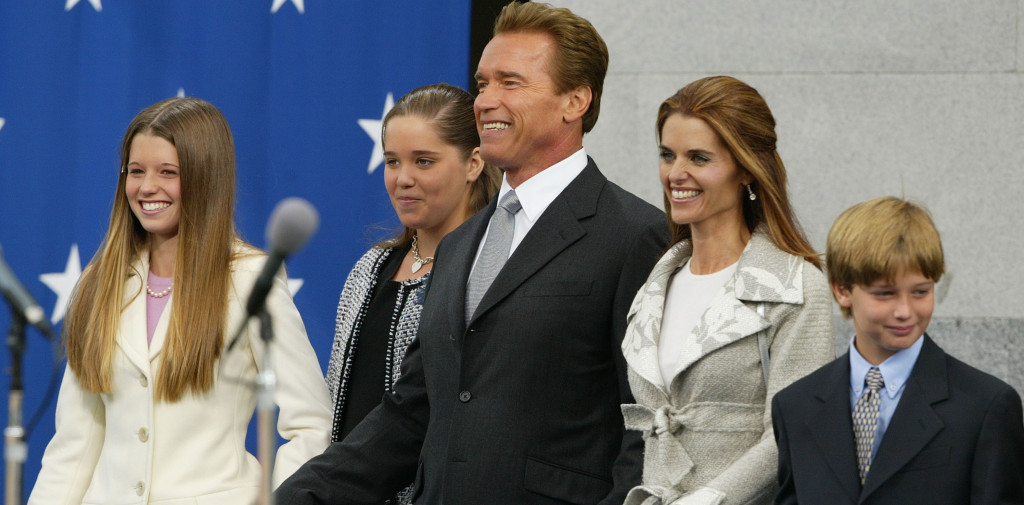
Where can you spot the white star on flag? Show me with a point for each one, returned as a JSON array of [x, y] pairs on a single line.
[[63, 283], [2, 121], [294, 285], [374, 128], [279, 3], [181, 92], [95, 4]]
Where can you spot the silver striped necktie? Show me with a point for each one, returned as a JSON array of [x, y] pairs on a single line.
[[495, 251]]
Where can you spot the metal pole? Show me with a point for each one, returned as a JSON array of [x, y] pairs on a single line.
[[266, 384], [15, 449]]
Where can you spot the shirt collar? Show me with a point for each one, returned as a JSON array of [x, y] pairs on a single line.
[[537, 192], [895, 370]]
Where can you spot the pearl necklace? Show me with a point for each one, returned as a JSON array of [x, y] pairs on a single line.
[[159, 294], [418, 264]]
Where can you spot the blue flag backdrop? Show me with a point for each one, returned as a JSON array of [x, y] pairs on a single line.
[[303, 83]]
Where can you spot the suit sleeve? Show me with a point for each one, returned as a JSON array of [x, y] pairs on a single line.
[[998, 471], [378, 458], [802, 341], [70, 458], [304, 421], [640, 259], [787, 487]]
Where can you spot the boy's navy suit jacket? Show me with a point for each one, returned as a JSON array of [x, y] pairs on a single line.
[[956, 437]]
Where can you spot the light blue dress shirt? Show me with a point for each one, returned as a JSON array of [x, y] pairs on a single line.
[[895, 372]]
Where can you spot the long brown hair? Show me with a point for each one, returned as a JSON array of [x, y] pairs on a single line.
[[206, 235], [449, 111], [742, 119]]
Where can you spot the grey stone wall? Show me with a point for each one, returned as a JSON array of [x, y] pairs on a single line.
[[915, 98]]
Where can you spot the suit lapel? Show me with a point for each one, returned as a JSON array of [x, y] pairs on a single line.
[[160, 332], [553, 232], [764, 274], [643, 321], [131, 332], [726, 320], [556, 229], [462, 252], [832, 428], [914, 423]]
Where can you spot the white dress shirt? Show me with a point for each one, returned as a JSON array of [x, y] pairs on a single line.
[[536, 194]]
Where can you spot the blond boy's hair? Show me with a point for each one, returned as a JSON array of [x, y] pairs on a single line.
[[878, 239]]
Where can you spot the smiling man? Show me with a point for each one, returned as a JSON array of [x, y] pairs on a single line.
[[511, 393]]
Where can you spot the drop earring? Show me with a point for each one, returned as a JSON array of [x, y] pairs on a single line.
[[751, 193]]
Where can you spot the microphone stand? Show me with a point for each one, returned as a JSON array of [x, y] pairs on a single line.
[[266, 384], [15, 450]]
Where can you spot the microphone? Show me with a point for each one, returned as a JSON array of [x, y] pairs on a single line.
[[21, 300], [292, 222]]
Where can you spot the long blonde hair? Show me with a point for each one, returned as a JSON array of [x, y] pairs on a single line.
[[206, 235], [742, 119]]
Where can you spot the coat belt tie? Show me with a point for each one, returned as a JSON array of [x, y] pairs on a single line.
[[661, 428]]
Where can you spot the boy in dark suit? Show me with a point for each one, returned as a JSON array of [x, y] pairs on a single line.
[[896, 420]]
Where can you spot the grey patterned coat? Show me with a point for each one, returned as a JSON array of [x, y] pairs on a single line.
[[352, 306], [710, 432]]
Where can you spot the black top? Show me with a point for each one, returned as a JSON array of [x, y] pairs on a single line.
[[370, 377]]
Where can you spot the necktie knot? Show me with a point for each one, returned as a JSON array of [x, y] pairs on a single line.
[[874, 379], [510, 202]]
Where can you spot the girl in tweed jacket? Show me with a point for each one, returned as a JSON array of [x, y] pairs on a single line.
[[436, 180]]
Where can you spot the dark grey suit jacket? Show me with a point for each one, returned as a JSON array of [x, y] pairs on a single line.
[[956, 437], [521, 407]]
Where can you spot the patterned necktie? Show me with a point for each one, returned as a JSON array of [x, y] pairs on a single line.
[[865, 420], [495, 251]]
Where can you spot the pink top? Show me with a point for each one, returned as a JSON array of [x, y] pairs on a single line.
[[155, 305]]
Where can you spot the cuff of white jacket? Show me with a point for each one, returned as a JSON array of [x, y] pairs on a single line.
[[702, 496]]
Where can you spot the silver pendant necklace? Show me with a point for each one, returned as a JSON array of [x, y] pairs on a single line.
[[418, 264]]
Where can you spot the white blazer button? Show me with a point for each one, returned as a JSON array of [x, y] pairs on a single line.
[[144, 381], [140, 488], [143, 434]]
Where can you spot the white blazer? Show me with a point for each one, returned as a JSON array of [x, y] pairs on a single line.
[[127, 448]]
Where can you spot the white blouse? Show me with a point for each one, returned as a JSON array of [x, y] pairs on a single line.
[[689, 295]]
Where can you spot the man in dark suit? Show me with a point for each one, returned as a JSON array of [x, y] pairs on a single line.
[[511, 393], [896, 420]]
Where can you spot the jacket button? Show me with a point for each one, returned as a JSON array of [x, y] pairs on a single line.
[[143, 434], [143, 381], [451, 336], [465, 396], [140, 488]]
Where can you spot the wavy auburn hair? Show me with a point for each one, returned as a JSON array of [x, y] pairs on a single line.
[[742, 119]]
